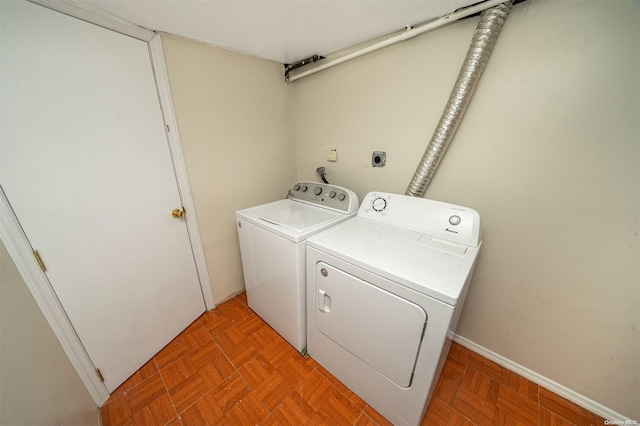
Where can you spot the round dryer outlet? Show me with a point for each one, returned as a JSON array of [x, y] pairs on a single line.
[[378, 158]]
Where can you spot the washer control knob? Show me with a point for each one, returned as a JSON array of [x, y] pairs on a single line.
[[317, 190], [304, 188], [296, 188], [332, 194], [379, 204], [455, 220], [341, 197]]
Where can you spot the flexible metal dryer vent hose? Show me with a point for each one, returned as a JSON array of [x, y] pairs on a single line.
[[484, 39]]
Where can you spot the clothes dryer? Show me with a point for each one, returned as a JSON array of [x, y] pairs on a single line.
[[384, 289], [272, 244]]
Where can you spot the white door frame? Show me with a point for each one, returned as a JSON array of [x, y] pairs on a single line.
[[180, 167], [16, 241]]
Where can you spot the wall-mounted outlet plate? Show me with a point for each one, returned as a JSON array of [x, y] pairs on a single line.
[[378, 158]]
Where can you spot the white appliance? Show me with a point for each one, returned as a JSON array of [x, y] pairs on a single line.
[[383, 291], [272, 245]]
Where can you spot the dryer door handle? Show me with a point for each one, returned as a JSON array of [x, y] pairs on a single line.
[[324, 302]]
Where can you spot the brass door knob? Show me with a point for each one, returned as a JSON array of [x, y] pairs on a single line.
[[178, 213]]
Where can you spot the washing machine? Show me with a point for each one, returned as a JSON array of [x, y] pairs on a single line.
[[272, 245], [384, 291]]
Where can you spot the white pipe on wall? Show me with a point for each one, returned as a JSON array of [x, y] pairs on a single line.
[[368, 47]]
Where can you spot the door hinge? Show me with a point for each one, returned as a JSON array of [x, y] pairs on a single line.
[[39, 260], [99, 373]]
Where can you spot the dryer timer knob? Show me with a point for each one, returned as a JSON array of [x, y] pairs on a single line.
[[379, 204]]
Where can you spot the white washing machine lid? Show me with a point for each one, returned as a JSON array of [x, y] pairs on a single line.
[[292, 219], [429, 265]]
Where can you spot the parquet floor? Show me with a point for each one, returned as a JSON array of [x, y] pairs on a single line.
[[230, 368]]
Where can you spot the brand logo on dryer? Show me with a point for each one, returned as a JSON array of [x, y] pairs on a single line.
[[455, 221]]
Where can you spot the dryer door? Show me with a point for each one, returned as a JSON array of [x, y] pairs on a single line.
[[380, 328]]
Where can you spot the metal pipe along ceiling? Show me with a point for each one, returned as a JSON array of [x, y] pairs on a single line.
[[318, 63], [482, 43]]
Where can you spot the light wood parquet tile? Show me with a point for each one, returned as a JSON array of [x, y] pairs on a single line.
[[203, 412], [566, 409], [230, 392], [249, 411], [552, 419], [116, 411], [513, 407], [140, 396], [477, 391], [519, 384], [230, 368], [450, 381], [294, 410]]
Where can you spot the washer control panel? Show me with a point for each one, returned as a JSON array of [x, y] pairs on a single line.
[[323, 194], [441, 220]]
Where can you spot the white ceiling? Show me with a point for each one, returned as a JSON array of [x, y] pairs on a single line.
[[284, 31]]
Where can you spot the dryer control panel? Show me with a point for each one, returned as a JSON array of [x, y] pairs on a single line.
[[442, 221], [325, 195]]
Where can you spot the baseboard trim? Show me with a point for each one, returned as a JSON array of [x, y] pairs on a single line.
[[543, 381], [229, 297]]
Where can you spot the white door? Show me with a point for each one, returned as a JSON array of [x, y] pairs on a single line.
[[85, 164], [378, 327]]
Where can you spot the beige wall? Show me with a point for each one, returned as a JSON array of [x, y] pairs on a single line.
[[549, 154], [237, 140], [38, 384]]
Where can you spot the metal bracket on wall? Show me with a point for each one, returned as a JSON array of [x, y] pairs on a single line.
[[290, 67]]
